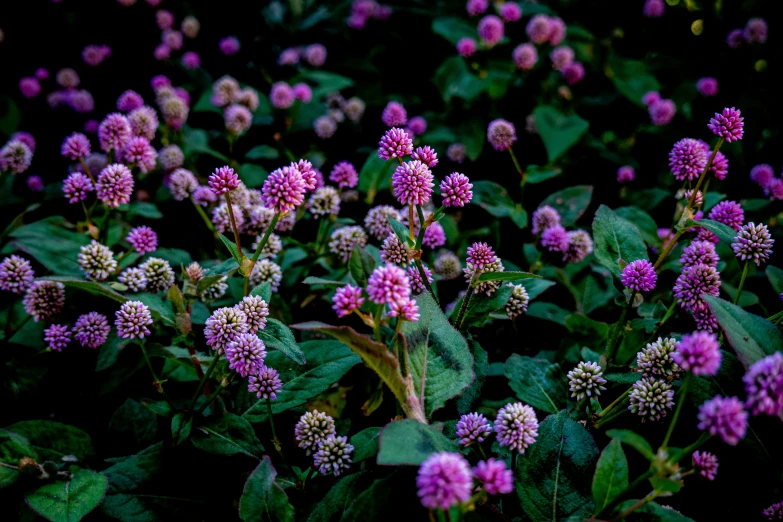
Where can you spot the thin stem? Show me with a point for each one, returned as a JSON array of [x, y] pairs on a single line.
[[233, 224], [223, 386], [410, 221], [516, 164], [481, 451], [680, 402], [259, 248], [86, 214], [651, 496], [86, 170], [275, 440], [464, 307], [742, 282], [668, 248], [612, 345], [693, 447], [425, 280], [614, 404], [777, 321], [624, 493], [398, 347], [704, 174], [203, 382], [603, 421], [158, 385], [104, 230], [666, 317], [204, 217]]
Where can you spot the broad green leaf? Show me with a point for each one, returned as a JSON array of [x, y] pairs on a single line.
[[144, 209], [278, 336], [611, 475], [617, 241], [393, 495], [480, 306], [537, 174], [634, 440], [12, 117], [507, 276], [197, 142], [71, 500], [327, 82], [262, 152], [51, 244], [554, 476], [775, 276], [643, 221], [342, 494], [548, 311], [12, 448], [480, 365], [361, 266], [126, 499], [751, 336], [454, 79], [227, 434], [263, 499], [571, 203], [493, 198], [181, 427], [437, 349], [252, 175], [536, 287], [631, 78], [232, 248], [264, 290], [311, 280], [375, 175], [558, 131], [666, 485], [401, 231], [537, 382], [136, 421], [453, 29], [92, 287], [160, 308], [365, 443], [724, 232], [409, 442], [473, 136], [54, 440], [652, 512]]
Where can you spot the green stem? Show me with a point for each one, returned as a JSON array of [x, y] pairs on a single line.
[[205, 218], [158, 385], [233, 224], [223, 386], [87, 170], [603, 421], [410, 221], [203, 380], [323, 226], [275, 440], [624, 493], [614, 404], [425, 280], [612, 345], [516, 164], [742, 282], [693, 447], [104, 231], [666, 317], [259, 248], [650, 497], [680, 402], [377, 323], [464, 307], [398, 347]]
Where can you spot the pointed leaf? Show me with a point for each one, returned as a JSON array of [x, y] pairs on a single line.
[[409, 442], [263, 499], [634, 440], [507, 276], [227, 434], [54, 440], [342, 494], [724, 232], [617, 241], [571, 203], [278, 336], [611, 475], [558, 131], [365, 443], [69, 501], [537, 382], [751, 336]]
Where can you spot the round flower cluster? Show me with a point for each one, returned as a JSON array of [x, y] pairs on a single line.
[[517, 302], [516, 426], [16, 274], [586, 380], [656, 360], [651, 399], [699, 353], [312, 428], [344, 240], [471, 428]]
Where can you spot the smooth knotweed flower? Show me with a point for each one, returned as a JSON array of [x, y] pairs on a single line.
[[471, 428], [132, 320], [272, 247], [67, 78], [517, 302], [312, 428], [194, 272], [493, 473], [324, 202], [30, 87], [755, 31], [315, 55], [538, 29], [222, 219], [555, 239], [96, 261], [344, 174], [651, 399], [561, 57], [281, 95], [44, 299], [256, 311], [412, 183], [138, 151], [225, 91], [699, 252], [238, 119], [75, 146], [543, 218], [693, 283], [651, 97], [626, 174], [144, 123], [91, 330], [416, 282], [159, 274], [172, 39], [434, 236], [288, 56], [725, 417], [488, 287], [476, 7], [586, 380], [653, 8], [266, 384], [418, 126], [387, 284], [181, 184], [762, 174], [35, 183], [662, 112], [698, 352], [324, 127], [353, 108], [456, 152], [223, 326], [134, 279], [377, 220], [245, 354], [346, 300], [444, 480], [729, 213], [129, 100], [223, 180], [501, 134], [312, 177], [656, 360], [447, 265], [229, 45], [705, 321], [216, 290], [753, 243], [333, 455], [706, 464], [57, 337], [774, 512], [510, 12], [639, 276], [580, 245], [394, 115], [16, 274], [481, 255], [15, 157], [249, 97], [426, 155], [728, 124], [574, 73], [687, 159], [455, 189], [114, 132], [394, 251], [406, 309], [764, 385], [525, 56], [396, 143], [516, 426], [284, 189], [26, 138], [557, 31], [175, 111], [266, 271], [490, 30], [303, 92], [115, 185], [344, 240], [707, 86]]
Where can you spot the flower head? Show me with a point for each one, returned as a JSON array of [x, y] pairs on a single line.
[[315, 54], [324, 127], [15, 156], [586, 380], [115, 185], [396, 143], [707, 86], [426, 155], [388, 283], [57, 337], [394, 251], [312, 428], [256, 311], [377, 220], [266, 384], [655, 360], [699, 353], [517, 302], [728, 124], [144, 122], [764, 385], [412, 183], [245, 353], [501, 134], [476, 7], [580, 245], [543, 218], [143, 239], [687, 159], [466, 47], [434, 235], [347, 299], [16, 274], [76, 146], [653, 8], [557, 30], [699, 252], [96, 261], [525, 56], [706, 464], [651, 399], [344, 240], [134, 279], [159, 274], [30, 87], [729, 213], [762, 174], [266, 271], [490, 30], [481, 255], [473, 427], [755, 31], [725, 417], [91, 330], [344, 174], [114, 132], [224, 326], [182, 183], [394, 115], [333, 455], [76, 186], [516, 426], [496, 478], [238, 119], [281, 95], [416, 282], [455, 189], [405, 308], [44, 299], [229, 45], [639, 276], [774, 512], [510, 12], [133, 320], [538, 29], [662, 111], [223, 180], [753, 243], [574, 73], [284, 189], [695, 281], [625, 174], [444, 480], [555, 239]]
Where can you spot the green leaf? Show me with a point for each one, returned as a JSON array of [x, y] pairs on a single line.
[[227, 434], [12, 117], [481, 365], [437, 348], [409, 442], [54, 440], [558, 131], [571, 203], [537, 382], [724, 232], [536, 287], [480, 306], [537, 174], [377, 502], [548, 311], [232, 248], [252, 175], [361, 266], [643, 221], [160, 308], [204, 103], [69, 501], [775, 276], [365, 443], [181, 426], [92, 287], [208, 281], [342, 494], [136, 420], [327, 82], [401, 230], [617, 241], [751, 336], [263, 499], [453, 29], [12, 448], [264, 290], [634, 440], [51, 244], [311, 280], [652, 512], [123, 500], [611, 475], [665, 484], [507, 276], [375, 175], [278, 336], [262, 152], [631, 78], [493, 198], [453, 79], [143, 209], [554, 478]]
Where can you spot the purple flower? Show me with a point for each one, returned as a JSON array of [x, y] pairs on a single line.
[[444, 480], [344, 174], [753, 243], [26, 138], [91, 330], [543, 218], [774, 189], [699, 252], [561, 57], [762, 174], [223, 326], [481, 255], [764, 385], [476, 7], [639, 276], [114, 132], [555, 239], [707, 86], [94, 55], [134, 278], [324, 127], [388, 283], [706, 464], [133, 319], [44, 299], [393, 251], [333, 455], [653, 8], [447, 265], [426, 155], [516, 426], [698, 352], [172, 39], [96, 261], [687, 159], [729, 213], [223, 180], [396, 143], [720, 166], [466, 47], [574, 73], [67, 78], [735, 38], [30, 87], [471, 428], [129, 100], [517, 302], [496, 478], [302, 92], [394, 115], [727, 124], [162, 52], [434, 236], [377, 220], [725, 417], [256, 311], [626, 173], [490, 30], [229, 45], [417, 285], [76, 186], [692, 283], [651, 97], [164, 19], [455, 189], [288, 57], [57, 337], [651, 399], [42, 74], [580, 245], [138, 151], [755, 31], [15, 157], [315, 54], [557, 31], [245, 354], [115, 185], [266, 384], [412, 183], [538, 29], [344, 240], [143, 239], [284, 189], [281, 95], [181, 183], [16, 274], [347, 299], [238, 119], [501, 134], [456, 152], [144, 123], [312, 428], [35, 183], [510, 12], [774, 512], [525, 56], [406, 309], [655, 360], [662, 112], [586, 380]]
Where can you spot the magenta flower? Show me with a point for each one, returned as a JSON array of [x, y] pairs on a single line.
[[653, 8], [406, 309], [693, 283], [543, 218], [753, 243], [223, 180], [288, 56], [698, 352], [284, 189], [490, 30], [144, 122], [516, 426], [651, 97], [115, 185], [455, 189], [347, 299], [727, 124], [35, 183], [57, 337], [561, 57], [762, 174], [396, 143], [426, 155], [91, 330], [625, 174], [729, 213], [281, 95], [555, 239], [496, 478], [223, 326], [16, 274], [764, 385], [481, 255], [76, 146], [388, 283], [662, 112], [755, 31], [132, 320], [15, 157], [412, 183], [687, 159], [706, 464], [143, 240], [476, 7], [471, 428], [774, 512], [456, 152], [699, 252], [574, 73], [138, 151], [76, 186], [344, 174], [510, 12], [44, 299], [114, 132], [525, 56], [67, 78], [707, 86], [26, 138], [538, 29], [735, 39], [229, 45], [245, 354], [466, 47], [302, 92], [315, 54], [129, 100], [725, 417], [29, 87], [394, 115], [266, 385], [557, 31], [444, 480], [639, 276], [324, 127], [417, 285], [238, 119], [256, 311], [434, 236], [501, 134]]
